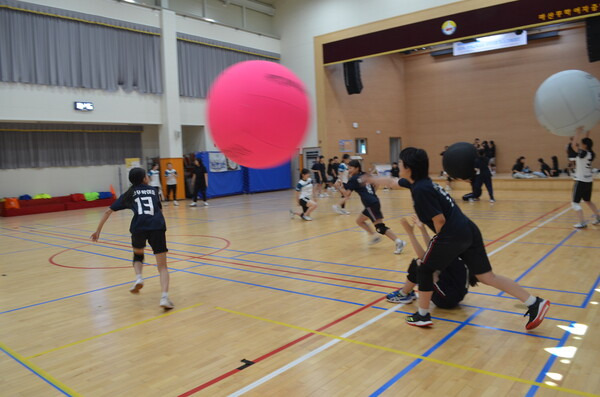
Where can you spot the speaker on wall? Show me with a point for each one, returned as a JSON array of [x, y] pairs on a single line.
[[352, 77], [592, 29]]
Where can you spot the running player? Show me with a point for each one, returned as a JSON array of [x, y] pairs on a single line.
[[372, 205], [304, 192], [342, 173]]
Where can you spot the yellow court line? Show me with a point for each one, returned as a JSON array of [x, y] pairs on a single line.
[[37, 370], [116, 330], [433, 360]]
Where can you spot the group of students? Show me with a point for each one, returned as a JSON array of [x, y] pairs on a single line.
[[199, 182], [455, 256], [350, 180]]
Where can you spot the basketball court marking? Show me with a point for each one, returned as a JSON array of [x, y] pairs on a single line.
[[115, 330], [391, 350], [46, 377]]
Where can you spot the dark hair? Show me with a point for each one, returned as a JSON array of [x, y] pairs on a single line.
[[304, 171], [417, 161], [321, 157], [394, 163], [541, 160], [136, 177], [588, 142], [481, 152], [346, 156], [355, 164]]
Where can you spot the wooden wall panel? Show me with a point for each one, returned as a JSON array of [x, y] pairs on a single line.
[[431, 102]]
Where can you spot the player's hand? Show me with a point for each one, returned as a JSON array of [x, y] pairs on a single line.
[[416, 220], [408, 226], [95, 236]]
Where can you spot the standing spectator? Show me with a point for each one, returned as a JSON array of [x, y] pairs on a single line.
[[330, 174], [171, 175], [199, 181], [492, 156], [395, 171], [154, 175], [319, 174]]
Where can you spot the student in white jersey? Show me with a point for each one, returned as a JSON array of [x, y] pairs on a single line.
[[154, 175], [342, 173], [171, 176], [582, 190], [304, 192]]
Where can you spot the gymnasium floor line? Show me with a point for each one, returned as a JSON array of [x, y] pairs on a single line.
[[589, 296], [546, 368], [207, 257], [470, 318], [235, 281], [40, 373], [249, 271], [412, 365], [404, 353]]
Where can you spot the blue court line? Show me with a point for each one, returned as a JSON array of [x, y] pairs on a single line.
[[416, 362], [542, 258], [27, 250], [333, 273], [586, 301], [254, 271], [240, 282], [439, 344], [548, 365], [35, 372]]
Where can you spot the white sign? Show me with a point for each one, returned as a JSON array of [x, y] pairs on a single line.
[[84, 106], [489, 43]]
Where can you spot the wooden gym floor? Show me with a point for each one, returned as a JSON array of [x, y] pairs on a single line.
[[272, 306]]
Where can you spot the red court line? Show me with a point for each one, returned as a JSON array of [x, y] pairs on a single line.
[[273, 352], [527, 224], [234, 371], [188, 257]]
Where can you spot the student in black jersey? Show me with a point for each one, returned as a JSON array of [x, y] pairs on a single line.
[[372, 209], [148, 224], [395, 171], [449, 286], [456, 236]]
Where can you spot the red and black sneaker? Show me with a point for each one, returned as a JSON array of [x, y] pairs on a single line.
[[537, 312], [419, 321]]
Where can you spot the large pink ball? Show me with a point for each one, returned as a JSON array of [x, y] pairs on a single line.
[[258, 113]]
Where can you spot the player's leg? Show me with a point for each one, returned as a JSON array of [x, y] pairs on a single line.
[[157, 240], [578, 192], [138, 242]]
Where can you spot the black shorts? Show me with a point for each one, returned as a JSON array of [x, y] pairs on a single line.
[[465, 242], [304, 204], [317, 178], [373, 212], [582, 191], [156, 239], [451, 287]]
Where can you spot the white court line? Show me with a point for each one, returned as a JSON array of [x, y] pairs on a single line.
[[314, 352], [528, 232], [364, 325]]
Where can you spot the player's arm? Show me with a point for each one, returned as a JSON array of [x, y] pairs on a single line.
[[438, 222], [409, 229], [340, 186], [388, 181], [579, 135], [96, 235]]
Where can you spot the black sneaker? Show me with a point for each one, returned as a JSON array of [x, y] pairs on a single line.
[[419, 321], [537, 312]]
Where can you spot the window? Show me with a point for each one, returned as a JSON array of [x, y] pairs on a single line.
[[361, 145]]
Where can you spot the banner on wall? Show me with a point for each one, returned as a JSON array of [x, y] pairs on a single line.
[[217, 162]]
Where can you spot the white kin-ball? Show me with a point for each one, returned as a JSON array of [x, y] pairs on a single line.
[[568, 100]]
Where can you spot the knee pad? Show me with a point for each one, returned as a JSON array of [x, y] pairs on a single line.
[[425, 276], [381, 228], [412, 275], [138, 258], [576, 206]]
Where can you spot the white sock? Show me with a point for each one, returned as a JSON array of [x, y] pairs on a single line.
[[165, 295], [423, 312], [402, 293], [530, 301], [138, 278]]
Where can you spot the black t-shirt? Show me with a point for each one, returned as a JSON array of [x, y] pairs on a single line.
[[482, 163], [429, 200], [146, 207], [364, 190], [545, 167], [518, 166], [395, 172], [199, 171], [319, 167]]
